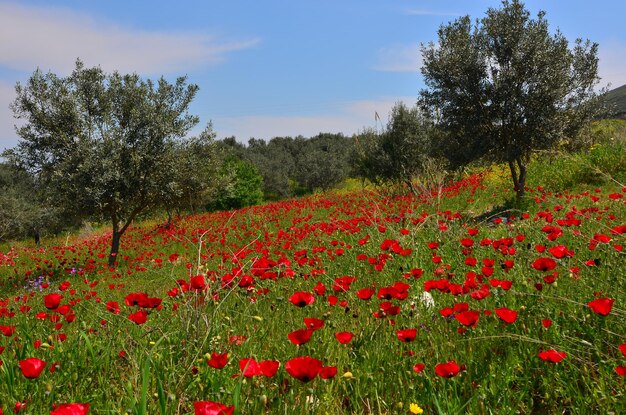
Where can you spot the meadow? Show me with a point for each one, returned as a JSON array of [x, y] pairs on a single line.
[[457, 300]]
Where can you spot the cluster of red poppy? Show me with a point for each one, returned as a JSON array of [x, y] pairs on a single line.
[[465, 270]]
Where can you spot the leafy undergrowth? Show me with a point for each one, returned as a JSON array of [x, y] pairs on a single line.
[[339, 303]]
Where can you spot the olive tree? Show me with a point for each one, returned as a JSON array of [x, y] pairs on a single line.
[[400, 152], [505, 86], [102, 143]]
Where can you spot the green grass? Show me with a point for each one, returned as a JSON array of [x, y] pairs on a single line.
[[164, 368]]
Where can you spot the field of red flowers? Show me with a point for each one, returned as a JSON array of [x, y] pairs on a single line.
[[337, 303]]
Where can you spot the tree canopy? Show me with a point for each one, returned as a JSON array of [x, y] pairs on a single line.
[[102, 144], [504, 86], [399, 153]]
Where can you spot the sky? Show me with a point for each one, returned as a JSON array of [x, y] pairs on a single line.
[[269, 68]]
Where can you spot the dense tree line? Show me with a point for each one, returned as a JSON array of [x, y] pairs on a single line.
[[113, 147]]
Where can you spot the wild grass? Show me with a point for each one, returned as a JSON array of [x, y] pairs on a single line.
[[252, 260]]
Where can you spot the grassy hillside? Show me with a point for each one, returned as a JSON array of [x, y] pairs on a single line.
[[617, 99], [351, 302]]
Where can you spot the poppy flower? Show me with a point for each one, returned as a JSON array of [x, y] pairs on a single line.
[[197, 283], [313, 323], [7, 330], [467, 242], [544, 264], [560, 251], [249, 367], [344, 337], [113, 307], [218, 360], [365, 293], [71, 409], [406, 335], [601, 306], [328, 372], [269, 367], [212, 408], [552, 356], [303, 368], [468, 318], [52, 301], [418, 367], [447, 370], [32, 367], [301, 336], [320, 289], [302, 298], [237, 340], [622, 348], [621, 370], [507, 315], [140, 317]]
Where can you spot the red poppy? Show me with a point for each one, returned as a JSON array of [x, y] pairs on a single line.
[[140, 317], [237, 340], [365, 293], [621, 370], [507, 315], [197, 283], [418, 367], [320, 289], [218, 360], [269, 367], [52, 301], [302, 298], [560, 251], [406, 335], [544, 264], [344, 337], [249, 367], [32, 367], [71, 409], [301, 336], [601, 306], [7, 330], [622, 348], [304, 368], [552, 356], [328, 372], [313, 323], [468, 318], [212, 408], [447, 370], [467, 242], [113, 307]]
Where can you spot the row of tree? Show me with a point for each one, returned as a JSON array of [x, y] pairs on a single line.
[[113, 147]]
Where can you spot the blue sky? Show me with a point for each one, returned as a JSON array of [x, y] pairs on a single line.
[[268, 68]]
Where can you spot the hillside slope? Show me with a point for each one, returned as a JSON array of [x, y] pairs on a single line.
[[617, 99]]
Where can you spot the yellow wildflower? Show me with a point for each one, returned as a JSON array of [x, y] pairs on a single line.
[[415, 409]]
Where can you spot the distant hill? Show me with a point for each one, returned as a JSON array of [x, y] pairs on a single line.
[[617, 99]]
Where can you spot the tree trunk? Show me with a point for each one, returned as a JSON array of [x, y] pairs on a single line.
[[169, 219], [37, 236], [518, 174], [115, 246]]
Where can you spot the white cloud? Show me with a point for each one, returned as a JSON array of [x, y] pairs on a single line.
[[399, 58], [612, 63], [52, 39], [353, 117]]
